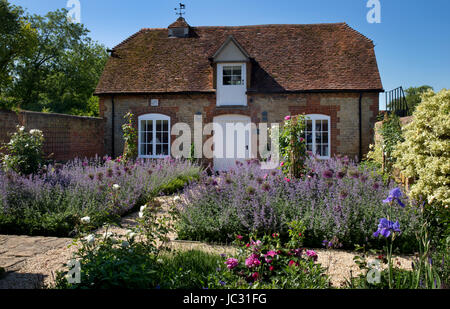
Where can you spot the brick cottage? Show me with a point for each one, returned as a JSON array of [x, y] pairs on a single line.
[[256, 74]]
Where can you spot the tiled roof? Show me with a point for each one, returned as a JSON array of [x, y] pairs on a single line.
[[179, 23], [285, 58]]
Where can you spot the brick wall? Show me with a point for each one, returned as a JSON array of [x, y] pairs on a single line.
[[341, 107], [66, 136]]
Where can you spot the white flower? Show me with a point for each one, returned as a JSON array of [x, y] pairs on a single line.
[[35, 131], [116, 187], [90, 238], [86, 220], [131, 234], [176, 199], [141, 211], [107, 234], [125, 244], [22, 128]]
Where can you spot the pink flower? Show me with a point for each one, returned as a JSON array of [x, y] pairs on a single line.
[[282, 164], [312, 254], [287, 118], [271, 253], [239, 237], [255, 276], [252, 261], [302, 139], [292, 263], [271, 268], [231, 263], [287, 179]]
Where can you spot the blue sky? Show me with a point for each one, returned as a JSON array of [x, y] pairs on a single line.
[[412, 42]]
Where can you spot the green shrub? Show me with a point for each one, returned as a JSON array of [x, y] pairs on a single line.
[[425, 153], [270, 264], [24, 152]]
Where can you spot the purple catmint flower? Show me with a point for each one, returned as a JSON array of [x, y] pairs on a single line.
[[327, 174]]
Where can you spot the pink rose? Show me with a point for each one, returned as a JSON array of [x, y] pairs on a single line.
[[231, 263], [239, 237], [287, 118], [312, 254], [252, 261]]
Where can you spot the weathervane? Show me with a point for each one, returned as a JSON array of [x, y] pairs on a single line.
[[179, 11]]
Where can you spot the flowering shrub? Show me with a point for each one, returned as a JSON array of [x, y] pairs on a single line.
[[139, 259], [24, 152], [130, 138], [51, 202], [267, 264], [293, 146], [425, 153], [336, 199]]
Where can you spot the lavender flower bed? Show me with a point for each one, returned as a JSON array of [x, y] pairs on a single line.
[[337, 199], [52, 202]]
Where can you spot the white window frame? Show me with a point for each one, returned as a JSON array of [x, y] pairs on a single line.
[[314, 118], [154, 118]]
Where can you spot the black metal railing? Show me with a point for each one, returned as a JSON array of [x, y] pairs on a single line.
[[396, 102]]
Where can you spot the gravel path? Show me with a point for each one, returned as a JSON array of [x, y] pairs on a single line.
[[34, 261]]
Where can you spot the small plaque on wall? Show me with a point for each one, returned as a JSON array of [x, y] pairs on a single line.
[[154, 102]]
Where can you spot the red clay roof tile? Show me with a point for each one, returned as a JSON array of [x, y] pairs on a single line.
[[285, 58]]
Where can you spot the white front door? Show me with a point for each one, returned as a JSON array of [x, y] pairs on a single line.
[[231, 84], [232, 141]]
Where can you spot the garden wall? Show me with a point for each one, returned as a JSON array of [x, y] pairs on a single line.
[[66, 136]]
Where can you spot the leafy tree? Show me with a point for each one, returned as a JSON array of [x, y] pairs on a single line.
[[17, 38], [63, 70], [413, 96]]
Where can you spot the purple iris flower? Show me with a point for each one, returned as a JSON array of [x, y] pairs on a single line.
[[386, 227], [395, 195]]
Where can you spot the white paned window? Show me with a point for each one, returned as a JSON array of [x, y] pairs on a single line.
[[232, 75], [154, 136], [318, 135]]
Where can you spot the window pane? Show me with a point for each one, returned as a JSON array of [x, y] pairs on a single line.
[[309, 125], [318, 125], [159, 125], [166, 149], [318, 138], [227, 71], [318, 150], [325, 150], [165, 138], [309, 137], [158, 149], [237, 70], [149, 137], [165, 125], [227, 80], [325, 125], [325, 138]]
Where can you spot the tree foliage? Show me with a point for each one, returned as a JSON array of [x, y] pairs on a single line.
[[425, 153], [414, 96], [17, 39], [62, 71]]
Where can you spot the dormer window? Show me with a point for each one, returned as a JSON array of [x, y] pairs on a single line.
[[231, 61]]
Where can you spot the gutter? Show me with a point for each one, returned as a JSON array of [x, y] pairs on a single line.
[[360, 125], [113, 114]]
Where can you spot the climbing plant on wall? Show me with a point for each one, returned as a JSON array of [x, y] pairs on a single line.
[[293, 146]]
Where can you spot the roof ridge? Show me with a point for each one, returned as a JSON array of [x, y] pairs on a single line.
[[254, 26]]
